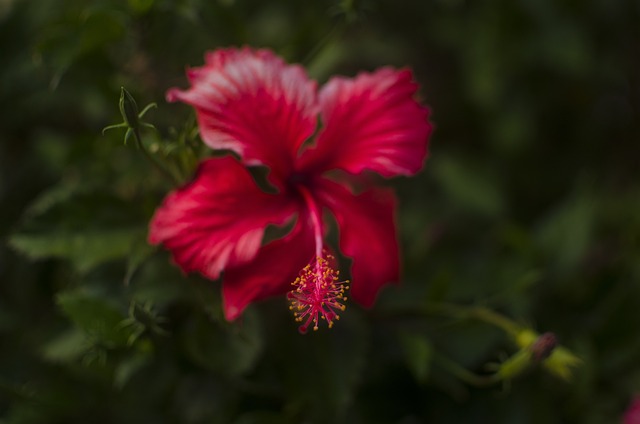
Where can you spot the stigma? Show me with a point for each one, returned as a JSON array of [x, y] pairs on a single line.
[[318, 294]]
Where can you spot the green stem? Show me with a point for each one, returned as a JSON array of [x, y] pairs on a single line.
[[150, 158], [464, 313], [475, 312], [459, 312], [464, 374], [322, 44]]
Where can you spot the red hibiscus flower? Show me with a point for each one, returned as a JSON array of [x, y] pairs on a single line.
[[266, 111]]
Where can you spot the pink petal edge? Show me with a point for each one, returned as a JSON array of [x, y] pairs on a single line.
[[218, 219], [371, 122], [253, 103], [632, 413], [367, 236], [271, 272]]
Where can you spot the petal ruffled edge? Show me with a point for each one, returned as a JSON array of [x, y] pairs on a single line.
[[270, 273], [253, 103], [368, 235], [218, 219], [371, 122]]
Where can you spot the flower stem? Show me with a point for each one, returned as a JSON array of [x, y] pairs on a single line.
[[460, 312], [164, 171], [464, 374], [475, 312], [315, 51]]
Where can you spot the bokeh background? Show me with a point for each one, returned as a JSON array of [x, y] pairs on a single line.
[[529, 205]]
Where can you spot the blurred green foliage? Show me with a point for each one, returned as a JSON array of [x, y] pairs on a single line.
[[529, 205]]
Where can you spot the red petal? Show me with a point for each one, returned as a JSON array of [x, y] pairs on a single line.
[[251, 102], [632, 414], [367, 235], [371, 122], [218, 219], [270, 273]]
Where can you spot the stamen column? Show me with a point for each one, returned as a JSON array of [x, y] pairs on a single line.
[[318, 293]]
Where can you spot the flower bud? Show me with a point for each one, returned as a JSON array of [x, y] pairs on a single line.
[[543, 347], [540, 349], [129, 109]]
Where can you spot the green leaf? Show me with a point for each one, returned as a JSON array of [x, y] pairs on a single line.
[[81, 222], [566, 233], [139, 252], [417, 352], [129, 366], [84, 249], [140, 6], [260, 417], [473, 189], [228, 349], [67, 347], [324, 368], [100, 27], [56, 195], [97, 317]]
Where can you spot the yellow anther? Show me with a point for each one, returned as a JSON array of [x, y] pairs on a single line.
[[318, 295]]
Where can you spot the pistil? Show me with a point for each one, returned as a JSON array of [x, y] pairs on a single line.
[[318, 293]]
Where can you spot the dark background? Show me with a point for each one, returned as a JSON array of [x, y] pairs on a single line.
[[528, 205]]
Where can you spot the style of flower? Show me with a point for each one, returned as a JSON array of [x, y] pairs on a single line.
[[266, 111]]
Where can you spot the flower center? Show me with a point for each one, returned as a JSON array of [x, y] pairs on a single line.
[[317, 293], [297, 179]]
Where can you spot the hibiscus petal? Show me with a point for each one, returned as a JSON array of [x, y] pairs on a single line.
[[371, 122], [251, 102], [218, 219], [367, 235], [270, 273]]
